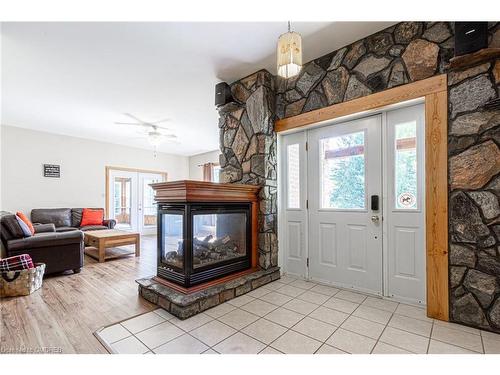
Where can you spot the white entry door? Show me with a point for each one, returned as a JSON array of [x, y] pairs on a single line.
[[352, 204], [131, 200], [345, 231]]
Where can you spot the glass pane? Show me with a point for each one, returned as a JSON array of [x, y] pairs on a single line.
[[218, 237], [173, 244], [149, 208], [406, 165], [122, 201], [216, 174], [293, 183], [343, 171]]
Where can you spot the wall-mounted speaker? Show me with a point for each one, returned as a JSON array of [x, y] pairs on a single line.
[[222, 94], [470, 37]]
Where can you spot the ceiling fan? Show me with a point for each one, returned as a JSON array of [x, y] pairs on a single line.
[[154, 133]]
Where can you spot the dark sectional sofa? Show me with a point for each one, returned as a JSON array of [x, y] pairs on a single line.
[[58, 239]]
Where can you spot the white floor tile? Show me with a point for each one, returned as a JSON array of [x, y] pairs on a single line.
[[327, 349], [241, 300], [193, 322], [284, 317], [210, 351], [458, 327], [351, 342], [438, 347], [276, 298], [290, 291], [302, 307], [259, 292], [412, 312], [164, 314], [324, 289], [273, 286], [375, 315], [259, 307], [113, 333], [184, 344], [159, 335], [456, 337], [270, 350], [381, 304], [383, 348], [142, 322], [314, 328], [351, 296], [239, 344], [419, 327], [302, 284], [213, 332], [286, 279], [295, 343], [341, 305], [219, 310], [238, 319], [264, 330], [491, 345], [405, 340], [130, 345], [363, 327], [329, 316], [313, 297]]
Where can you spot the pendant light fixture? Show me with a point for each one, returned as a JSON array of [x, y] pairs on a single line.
[[289, 54]]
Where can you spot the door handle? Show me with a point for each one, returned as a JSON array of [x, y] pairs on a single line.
[[375, 219]]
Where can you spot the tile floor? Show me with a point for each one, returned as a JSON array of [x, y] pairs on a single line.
[[298, 317]]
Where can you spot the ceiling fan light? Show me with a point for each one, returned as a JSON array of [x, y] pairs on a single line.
[[155, 139], [289, 54]]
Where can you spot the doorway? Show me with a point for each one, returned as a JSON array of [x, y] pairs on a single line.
[[352, 203], [130, 199]]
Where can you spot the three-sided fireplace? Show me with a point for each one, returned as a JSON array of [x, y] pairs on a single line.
[[205, 230]]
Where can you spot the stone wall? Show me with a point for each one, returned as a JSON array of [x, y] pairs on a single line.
[[406, 52]]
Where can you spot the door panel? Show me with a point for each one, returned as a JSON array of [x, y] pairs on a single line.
[[123, 199], [328, 244], [344, 170], [146, 206], [405, 203], [293, 190]]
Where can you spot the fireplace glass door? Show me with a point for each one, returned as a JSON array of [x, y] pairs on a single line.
[[173, 241], [218, 238]]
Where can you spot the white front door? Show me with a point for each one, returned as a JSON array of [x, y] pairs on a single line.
[[131, 200], [345, 231], [352, 206]]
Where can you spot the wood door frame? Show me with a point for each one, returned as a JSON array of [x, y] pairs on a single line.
[[109, 168], [435, 92]]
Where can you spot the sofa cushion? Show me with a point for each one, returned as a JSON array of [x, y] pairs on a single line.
[[50, 240], [65, 229], [60, 217], [93, 227], [10, 227], [24, 227]]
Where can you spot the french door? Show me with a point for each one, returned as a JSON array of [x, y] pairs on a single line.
[[352, 204], [131, 201]]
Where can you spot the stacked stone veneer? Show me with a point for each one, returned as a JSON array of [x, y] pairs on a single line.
[[406, 52]]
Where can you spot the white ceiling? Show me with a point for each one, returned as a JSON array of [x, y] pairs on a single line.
[[79, 78]]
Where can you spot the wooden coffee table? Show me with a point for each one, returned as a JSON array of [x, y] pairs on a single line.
[[97, 241]]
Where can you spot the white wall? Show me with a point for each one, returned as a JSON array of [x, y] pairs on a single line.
[[82, 161], [195, 171]]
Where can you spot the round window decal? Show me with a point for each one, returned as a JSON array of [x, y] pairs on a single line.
[[407, 200]]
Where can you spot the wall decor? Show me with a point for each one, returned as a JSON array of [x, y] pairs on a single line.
[[52, 170]]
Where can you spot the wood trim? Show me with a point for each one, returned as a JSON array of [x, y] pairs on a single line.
[[434, 90], [381, 99], [436, 203], [109, 168]]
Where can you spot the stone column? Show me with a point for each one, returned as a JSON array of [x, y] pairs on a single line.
[[248, 152]]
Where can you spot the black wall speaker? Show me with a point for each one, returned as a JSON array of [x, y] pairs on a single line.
[[470, 37], [222, 94]]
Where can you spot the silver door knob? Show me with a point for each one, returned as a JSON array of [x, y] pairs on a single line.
[[375, 219]]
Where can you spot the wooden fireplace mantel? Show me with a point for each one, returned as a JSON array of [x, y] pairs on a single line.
[[202, 191]]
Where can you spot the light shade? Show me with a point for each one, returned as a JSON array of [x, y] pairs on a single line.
[[155, 138], [289, 54]]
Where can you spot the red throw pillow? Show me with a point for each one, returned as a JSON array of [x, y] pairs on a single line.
[[26, 221], [92, 217]]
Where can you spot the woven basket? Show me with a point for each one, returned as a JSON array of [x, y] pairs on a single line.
[[22, 282]]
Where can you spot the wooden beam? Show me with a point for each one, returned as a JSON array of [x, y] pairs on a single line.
[[436, 198], [384, 98]]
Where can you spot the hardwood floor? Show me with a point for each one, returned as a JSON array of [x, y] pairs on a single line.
[[64, 313]]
